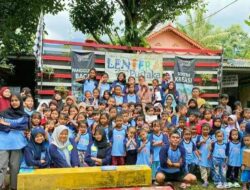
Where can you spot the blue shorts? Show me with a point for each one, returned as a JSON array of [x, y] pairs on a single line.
[[245, 176]]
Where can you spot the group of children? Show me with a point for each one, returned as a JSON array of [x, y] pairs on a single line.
[[137, 122]]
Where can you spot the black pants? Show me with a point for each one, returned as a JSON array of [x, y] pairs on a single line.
[[233, 173], [131, 157]]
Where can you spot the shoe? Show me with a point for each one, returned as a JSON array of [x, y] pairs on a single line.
[[236, 185], [230, 185], [205, 184], [220, 186], [226, 186]]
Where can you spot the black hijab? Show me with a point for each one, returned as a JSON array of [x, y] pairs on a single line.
[[101, 145], [14, 113], [214, 129]]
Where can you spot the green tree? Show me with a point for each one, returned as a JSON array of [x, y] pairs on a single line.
[[200, 29], [96, 17], [18, 23]]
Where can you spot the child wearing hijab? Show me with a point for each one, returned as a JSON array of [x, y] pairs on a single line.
[[4, 98], [232, 124], [62, 150], [98, 152], [13, 122], [35, 153]]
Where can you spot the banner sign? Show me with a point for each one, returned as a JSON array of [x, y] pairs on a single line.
[[80, 65], [229, 81], [183, 77], [148, 65]]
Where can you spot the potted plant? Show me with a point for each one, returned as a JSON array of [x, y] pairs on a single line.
[[206, 77], [48, 71], [62, 90]]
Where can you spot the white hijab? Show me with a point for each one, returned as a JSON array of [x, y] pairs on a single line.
[[62, 146]]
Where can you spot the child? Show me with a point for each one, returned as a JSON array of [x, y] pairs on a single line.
[[83, 139], [88, 99], [103, 84], [121, 81], [170, 104], [46, 115], [35, 154], [131, 147], [118, 136], [81, 117], [131, 96], [150, 116], [28, 105], [49, 129], [171, 89], [105, 125], [246, 115], [181, 112], [245, 175], [232, 124], [106, 96], [165, 81], [157, 140], [233, 151], [54, 115], [217, 127], [35, 119], [53, 105], [218, 155], [224, 99], [165, 119], [126, 124], [96, 95], [203, 144], [112, 115], [193, 121], [190, 149], [181, 126], [207, 118], [144, 156], [157, 92], [89, 83], [119, 98]]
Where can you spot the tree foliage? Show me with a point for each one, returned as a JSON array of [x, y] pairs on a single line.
[[96, 17], [18, 23]]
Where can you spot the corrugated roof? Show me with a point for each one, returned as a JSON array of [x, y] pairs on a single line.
[[237, 63]]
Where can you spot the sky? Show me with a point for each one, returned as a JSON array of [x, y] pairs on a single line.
[[59, 26]]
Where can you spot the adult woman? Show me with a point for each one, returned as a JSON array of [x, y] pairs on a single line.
[[98, 152], [13, 122], [171, 89], [62, 150]]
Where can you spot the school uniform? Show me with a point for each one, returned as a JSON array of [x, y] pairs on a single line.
[[245, 174], [218, 152], [131, 152], [122, 85], [190, 148], [143, 157], [82, 145], [131, 98], [156, 150], [233, 151], [119, 100], [104, 87], [118, 148], [89, 85]]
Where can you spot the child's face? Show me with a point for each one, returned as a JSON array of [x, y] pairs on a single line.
[[69, 101], [6, 93], [187, 135], [39, 138], [192, 118], [47, 114], [217, 123], [103, 120], [111, 102], [192, 104], [169, 100], [118, 122], [143, 135], [120, 77], [165, 131], [88, 95], [150, 111], [247, 114], [29, 103], [54, 115], [193, 130], [125, 117], [131, 80], [235, 135], [96, 94], [247, 141], [58, 97], [219, 137], [175, 139], [131, 133], [181, 124], [230, 121], [62, 120], [205, 131], [73, 111], [101, 107], [90, 111], [225, 119], [171, 86], [52, 107], [92, 74], [50, 126], [106, 95], [146, 127], [98, 136], [82, 128], [164, 117], [113, 113], [224, 101], [156, 127], [131, 89], [35, 120], [96, 117], [63, 137], [195, 93], [243, 127], [207, 115], [132, 107], [155, 83], [82, 109], [139, 122], [183, 111], [80, 117], [105, 78], [125, 107], [118, 90]]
